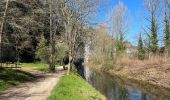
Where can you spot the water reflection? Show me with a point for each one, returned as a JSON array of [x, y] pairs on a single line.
[[115, 88]]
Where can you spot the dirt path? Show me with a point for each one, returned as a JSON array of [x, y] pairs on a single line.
[[36, 90]]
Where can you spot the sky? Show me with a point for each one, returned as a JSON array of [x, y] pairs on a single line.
[[137, 12]]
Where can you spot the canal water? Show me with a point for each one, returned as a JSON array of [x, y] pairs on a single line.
[[116, 88]]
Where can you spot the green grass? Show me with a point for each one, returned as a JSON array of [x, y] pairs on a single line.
[[72, 87], [9, 77], [36, 66]]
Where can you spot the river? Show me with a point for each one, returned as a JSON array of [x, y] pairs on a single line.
[[116, 88]]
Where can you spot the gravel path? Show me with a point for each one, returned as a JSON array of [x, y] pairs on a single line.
[[36, 90]]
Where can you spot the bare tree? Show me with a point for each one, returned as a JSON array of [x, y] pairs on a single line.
[[75, 13], [101, 38], [55, 23], [52, 42], [3, 20], [1, 29], [119, 16]]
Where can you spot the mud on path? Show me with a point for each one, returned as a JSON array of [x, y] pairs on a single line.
[[38, 89]]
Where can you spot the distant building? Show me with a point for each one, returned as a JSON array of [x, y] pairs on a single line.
[[131, 50]]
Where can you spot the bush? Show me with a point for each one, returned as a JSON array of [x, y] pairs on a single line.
[[61, 52], [43, 51]]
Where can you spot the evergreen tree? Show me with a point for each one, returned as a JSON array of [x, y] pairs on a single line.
[[154, 40], [167, 35], [120, 44], [141, 51]]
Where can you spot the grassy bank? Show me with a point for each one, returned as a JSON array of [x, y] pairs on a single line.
[[72, 87], [9, 77]]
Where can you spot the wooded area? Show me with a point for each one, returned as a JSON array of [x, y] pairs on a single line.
[[45, 30]]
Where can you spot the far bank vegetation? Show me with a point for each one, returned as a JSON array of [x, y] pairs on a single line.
[[111, 50]]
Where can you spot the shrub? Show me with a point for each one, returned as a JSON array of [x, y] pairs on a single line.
[[43, 50]]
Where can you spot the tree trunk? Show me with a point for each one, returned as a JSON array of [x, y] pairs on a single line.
[[1, 31], [52, 43], [69, 64]]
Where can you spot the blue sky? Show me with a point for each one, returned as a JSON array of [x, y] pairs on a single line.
[[137, 16]]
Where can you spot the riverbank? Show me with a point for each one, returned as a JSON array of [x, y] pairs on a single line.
[[72, 87], [115, 87], [155, 74]]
